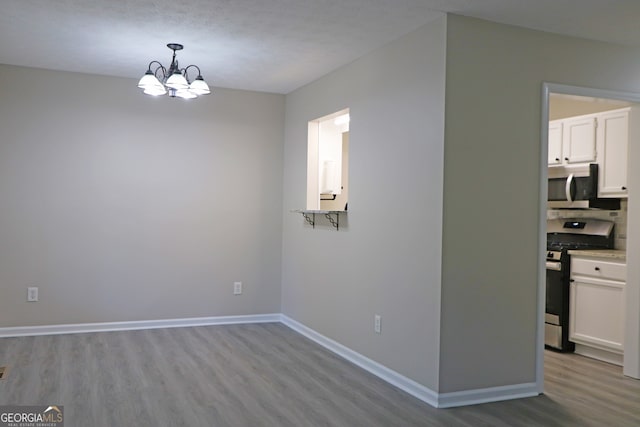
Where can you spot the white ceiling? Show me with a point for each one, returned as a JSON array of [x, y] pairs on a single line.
[[265, 45]]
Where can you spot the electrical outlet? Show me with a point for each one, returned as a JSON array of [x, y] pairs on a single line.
[[237, 288], [32, 294], [377, 324]]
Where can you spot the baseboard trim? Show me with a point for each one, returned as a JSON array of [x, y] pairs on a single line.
[[600, 354], [437, 400], [22, 331], [419, 391], [392, 377], [486, 395]]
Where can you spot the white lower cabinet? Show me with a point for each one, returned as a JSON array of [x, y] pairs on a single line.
[[596, 313]]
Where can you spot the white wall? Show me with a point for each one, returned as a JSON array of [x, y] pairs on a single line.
[[121, 207], [492, 184], [386, 260], [341, 200], [330, 150]]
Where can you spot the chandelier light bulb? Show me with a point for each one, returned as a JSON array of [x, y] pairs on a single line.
[[185, 94], [199, 86], [148, 80], [177, 81], [155, 90]]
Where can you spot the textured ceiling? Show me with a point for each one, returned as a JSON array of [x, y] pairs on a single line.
[[266, 45]]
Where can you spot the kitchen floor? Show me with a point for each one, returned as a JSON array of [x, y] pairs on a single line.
[[597, 390]]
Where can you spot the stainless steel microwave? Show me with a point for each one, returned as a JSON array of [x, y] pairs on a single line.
[[572, 186], [576, 186]]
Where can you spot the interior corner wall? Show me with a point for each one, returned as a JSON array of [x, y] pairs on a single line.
[[123, 207], [385, 257], [491, 189]]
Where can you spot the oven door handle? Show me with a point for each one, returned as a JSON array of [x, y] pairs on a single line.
[[555, 266], [567, 188]]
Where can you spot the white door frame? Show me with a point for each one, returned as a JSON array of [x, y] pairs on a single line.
[[632, 309]]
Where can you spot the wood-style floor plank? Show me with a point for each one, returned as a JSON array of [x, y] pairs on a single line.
[[268, 375]]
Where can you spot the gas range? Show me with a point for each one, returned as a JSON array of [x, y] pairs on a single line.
[[579, 233], [564, 235]]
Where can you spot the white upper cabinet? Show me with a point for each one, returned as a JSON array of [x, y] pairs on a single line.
[[555, 142], [579, 140], [613, 140], [600, 138]]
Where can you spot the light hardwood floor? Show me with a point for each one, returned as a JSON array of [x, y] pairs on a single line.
[[268, 375]]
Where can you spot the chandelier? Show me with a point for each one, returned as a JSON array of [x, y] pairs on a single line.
[[175, 81]]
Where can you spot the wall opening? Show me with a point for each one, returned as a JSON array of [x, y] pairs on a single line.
[[328, 162], [560, 101]]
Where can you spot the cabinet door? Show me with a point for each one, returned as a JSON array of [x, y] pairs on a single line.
[[596, 314], [555, 143], [579, 140], [613, 139]]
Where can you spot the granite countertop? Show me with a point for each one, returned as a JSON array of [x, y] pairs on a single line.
[[613, 254]]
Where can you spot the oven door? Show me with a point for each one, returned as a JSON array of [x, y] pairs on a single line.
[[556, 318], [553, 307]]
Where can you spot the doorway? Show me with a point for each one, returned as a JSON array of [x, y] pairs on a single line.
[[558, 100]]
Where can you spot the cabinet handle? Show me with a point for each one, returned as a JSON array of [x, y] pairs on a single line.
[[597, 268], [557, 159], [624, 188], [566, 159]]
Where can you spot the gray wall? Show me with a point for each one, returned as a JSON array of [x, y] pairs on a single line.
[[386, 260], [492, 184], [121, 207]]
